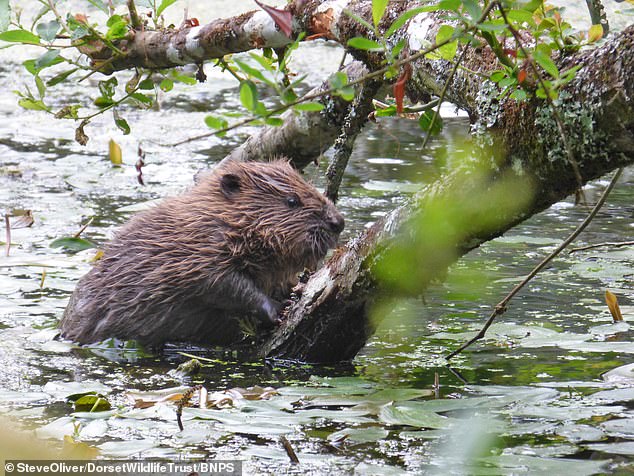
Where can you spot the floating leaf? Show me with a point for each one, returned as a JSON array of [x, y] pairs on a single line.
[[410, 414], [114, 153], [92, 403], [73, 244]]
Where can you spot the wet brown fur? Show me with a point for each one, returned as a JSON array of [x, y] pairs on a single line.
[[182, 270]]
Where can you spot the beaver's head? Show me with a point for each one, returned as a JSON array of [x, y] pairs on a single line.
[[278, 211]]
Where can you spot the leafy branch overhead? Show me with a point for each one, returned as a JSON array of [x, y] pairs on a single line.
[[527, 38]]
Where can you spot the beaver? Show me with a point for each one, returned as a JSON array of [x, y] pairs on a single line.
[[185, 269]]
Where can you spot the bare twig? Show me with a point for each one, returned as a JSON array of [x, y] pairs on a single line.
[[615, 244], [83, 228], [289, 450], [135, 21], [352, 126], [500, 307]]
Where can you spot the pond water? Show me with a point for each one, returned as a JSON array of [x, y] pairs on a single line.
[[540, 394]]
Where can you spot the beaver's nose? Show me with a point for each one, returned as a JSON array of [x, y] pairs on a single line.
[[335, 222]]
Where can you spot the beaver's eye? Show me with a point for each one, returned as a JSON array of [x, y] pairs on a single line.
[[293, 201]]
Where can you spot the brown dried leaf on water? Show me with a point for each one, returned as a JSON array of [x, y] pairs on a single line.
[[613, 306], [149, 399], [221, 399], [20, 218]]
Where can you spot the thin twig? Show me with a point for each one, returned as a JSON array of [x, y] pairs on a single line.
[[289, 450], [500, 308], [352, 126], [135, 21], [615, 244], [83, 228], [598, 15]]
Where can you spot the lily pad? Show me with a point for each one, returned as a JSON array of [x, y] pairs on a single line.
[[411, 414]]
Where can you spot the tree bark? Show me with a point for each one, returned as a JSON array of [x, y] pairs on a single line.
[[520, 148]]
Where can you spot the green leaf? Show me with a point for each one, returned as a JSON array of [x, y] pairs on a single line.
[[346, 93], [117, 27], [41, 88], [215, 122], [274, 121], [497, 76], [309, 106], [142, 98], [264, 61], [402, 19], [386, 112], [50, 58], [5, 14], [164, 4], [544, 60], [48, 31], [521, 16], [147, 84], [248, 95], [378, 10], [358, 19], [166, 85], [338, 80], [519, 95], [72, 244], [107, 88], [20, 36], [182, 78], [430, 125], [253, 72], [33, 104], [365, 44], [447, 51], [102, 102], [595, 33], [121, 123]]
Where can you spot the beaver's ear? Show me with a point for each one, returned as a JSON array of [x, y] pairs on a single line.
[[230, 185]]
